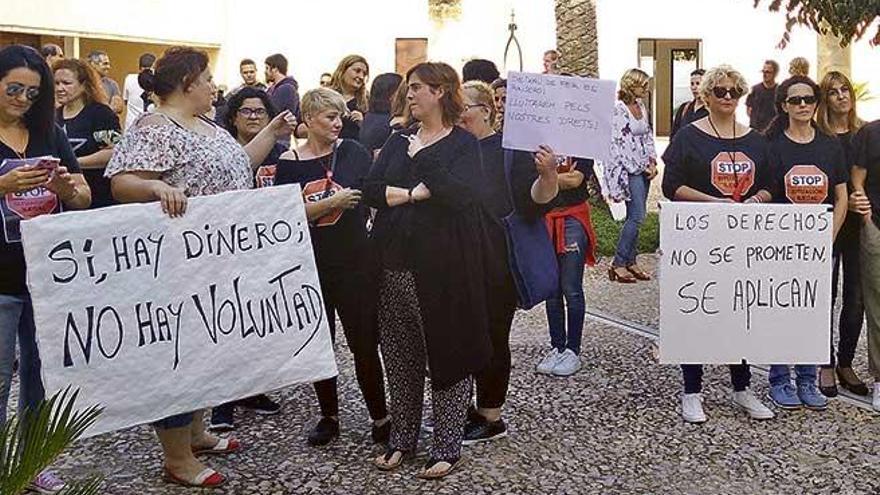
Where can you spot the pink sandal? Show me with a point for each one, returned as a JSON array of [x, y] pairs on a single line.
[[222, 447], [208, 478]]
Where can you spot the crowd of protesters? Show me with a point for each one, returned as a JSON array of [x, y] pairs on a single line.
[[409, 236]]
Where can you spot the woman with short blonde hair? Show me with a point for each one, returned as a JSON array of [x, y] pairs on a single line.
[[633, 83], [799, 66]]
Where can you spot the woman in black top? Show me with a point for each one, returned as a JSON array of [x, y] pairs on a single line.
[[718, 160], [431, 233], [28, 131], [377, 122], [485, 422], [350, 80], [248, 112], [331, 172], [91, 126], [693, 110], [837, 116], [810, 169]]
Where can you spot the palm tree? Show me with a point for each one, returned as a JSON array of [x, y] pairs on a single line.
[[31, 442], [576, 37]]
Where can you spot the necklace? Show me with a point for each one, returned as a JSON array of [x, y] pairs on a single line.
[[427, 141], [739, 182], [23, 149]]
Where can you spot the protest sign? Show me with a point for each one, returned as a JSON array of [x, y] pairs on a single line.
[[570, 114], [150, 316], [745, 282]]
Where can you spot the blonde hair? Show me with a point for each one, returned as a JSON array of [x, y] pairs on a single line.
[[632, 79], [320, 100], [482, 93], [336, 80], [822, 118], [799, 66], [716, 74]]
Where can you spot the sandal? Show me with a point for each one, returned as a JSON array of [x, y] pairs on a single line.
[[453, 463], [638, 272], [386, 462], [615, 276], [222, 447], [208, 478]]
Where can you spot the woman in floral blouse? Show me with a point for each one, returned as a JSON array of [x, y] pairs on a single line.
[[633, 165], [167, 156]]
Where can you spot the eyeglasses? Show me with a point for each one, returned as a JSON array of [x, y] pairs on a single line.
[[801, 100], [838, 93], [475, 105], [14, 90], [734, 93], [252, 112]]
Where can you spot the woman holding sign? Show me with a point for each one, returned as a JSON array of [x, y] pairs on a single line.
[[39, 175], [719, 160], [167, 156], [810, 168], [431, 233], [331, 172]]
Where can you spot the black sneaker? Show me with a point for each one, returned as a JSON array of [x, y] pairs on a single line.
[[260, 404], [483, 431], [324, 432], [222, 418], [381, 433]]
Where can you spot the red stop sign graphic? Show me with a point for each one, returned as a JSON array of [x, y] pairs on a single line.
[[320, 189], [33, 203], [732, 175]]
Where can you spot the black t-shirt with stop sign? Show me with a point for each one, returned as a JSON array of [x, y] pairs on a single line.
[[807, 173], [16, 207]]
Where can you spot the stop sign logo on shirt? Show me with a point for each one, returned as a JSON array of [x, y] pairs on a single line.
[[23, 206], [320, 189], [806, 184], [729, 176]]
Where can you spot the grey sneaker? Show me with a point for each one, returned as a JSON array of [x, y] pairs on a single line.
[[692, 408], [549, 362], [746, 399], [569, 363]]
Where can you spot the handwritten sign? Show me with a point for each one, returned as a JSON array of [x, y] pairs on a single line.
[[570, 114], [151, 316], [746, 282]]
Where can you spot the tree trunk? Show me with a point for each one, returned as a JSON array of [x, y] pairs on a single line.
[[830, 56], [576, 37]]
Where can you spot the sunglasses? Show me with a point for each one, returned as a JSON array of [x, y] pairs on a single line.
[[734, 93], [14, 90], [801, 100], [252, 112]]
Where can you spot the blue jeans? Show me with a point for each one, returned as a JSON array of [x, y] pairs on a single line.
[[780, 374], [17, 322], [571, 287], [627, 244]]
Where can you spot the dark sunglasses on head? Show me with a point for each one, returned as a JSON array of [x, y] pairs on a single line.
[[13, 90], [839, 93], [475, 105], [720, 92], [801, 100]]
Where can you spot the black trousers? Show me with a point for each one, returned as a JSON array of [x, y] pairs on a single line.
[[493, 382], [852, 310], [353, 294]]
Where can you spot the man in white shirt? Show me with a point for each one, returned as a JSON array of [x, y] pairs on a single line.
[[132, 92]]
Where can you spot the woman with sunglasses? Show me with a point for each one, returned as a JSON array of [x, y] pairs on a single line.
[[91, 126], [331, 172], [837, 116], [798, 150], [719, 160], [27, 131]]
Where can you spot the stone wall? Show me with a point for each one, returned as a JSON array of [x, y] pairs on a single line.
[[576, 37]]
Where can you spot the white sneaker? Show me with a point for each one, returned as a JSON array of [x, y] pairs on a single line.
[[747, 400], [692, 408], [549, 362], [569, 363], [876, 400]]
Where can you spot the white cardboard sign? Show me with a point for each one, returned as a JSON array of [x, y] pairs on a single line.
[[151, 316], [570, 114], [746, 282]]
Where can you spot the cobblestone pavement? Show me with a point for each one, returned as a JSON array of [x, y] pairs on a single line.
[[613, 428]]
